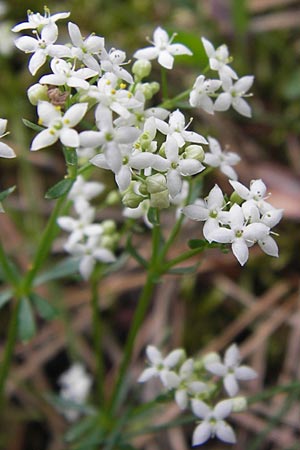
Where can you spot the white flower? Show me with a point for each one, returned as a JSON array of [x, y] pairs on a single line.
[[85, 190], [200, 94], [240, 235], [160, 366], [63, 73], [184, 383], [177, 130], [84, 49], [256, 194], [37, 22], [213, 424], [81, 227], [210, 210], [42, 47], [111, 62], [230, 370], [219, 59], [75, 385], [112, 96], [177, 166], [233, 95], [89, 253], [5, 150], [59, 126], [223, 160], [162, 49]]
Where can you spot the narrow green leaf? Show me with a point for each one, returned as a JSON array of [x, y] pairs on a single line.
[[59, 189], [183, 270], [32, 125], [71, 156], [198, 243], [43, 307], [86, 425], [6, 193], [26, 321], [5, 296], [153, 216], [63, 269]]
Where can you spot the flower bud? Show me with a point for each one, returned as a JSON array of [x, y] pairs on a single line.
[[160, 199], [112, 198], [36, 93], [148, 89], [195, 152], [108, 226], [156, 183], [109, 242], [131, 199], [141, 69], [239, 404]]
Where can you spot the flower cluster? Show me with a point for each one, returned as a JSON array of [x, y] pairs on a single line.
[[75, 385], [89, 241], [149, 149], [234, 90], [245, 220], [193, 386]]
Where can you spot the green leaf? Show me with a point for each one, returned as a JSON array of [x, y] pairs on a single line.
[[5, 296], [6, 193], [133, 252], [26, 321], [81, 428], [59, 189], [71, 156], [198, 243], [43, 307], [183, 270], [153, 216], [63, 269], [61, 403], [32, 125]]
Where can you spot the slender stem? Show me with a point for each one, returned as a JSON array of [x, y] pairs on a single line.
[[44, 246], [9, 349], [142, 306], [97, 335], [181, 258], [170, 103], [139, 315]]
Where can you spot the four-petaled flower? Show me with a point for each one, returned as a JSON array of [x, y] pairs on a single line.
[[230, 370], [162, 49], [59, 126], [213, 423]]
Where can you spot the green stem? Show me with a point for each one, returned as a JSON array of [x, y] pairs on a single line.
[[9, 349], [183, 257], [44, 246], [139, 315], [171, 103], [97, 335]]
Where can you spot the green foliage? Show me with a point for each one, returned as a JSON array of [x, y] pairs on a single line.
[[59, 189]]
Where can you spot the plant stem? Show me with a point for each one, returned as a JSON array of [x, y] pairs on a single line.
[[44, 246], [139, 315], [9, 349], [142, 306], [97, 335]]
